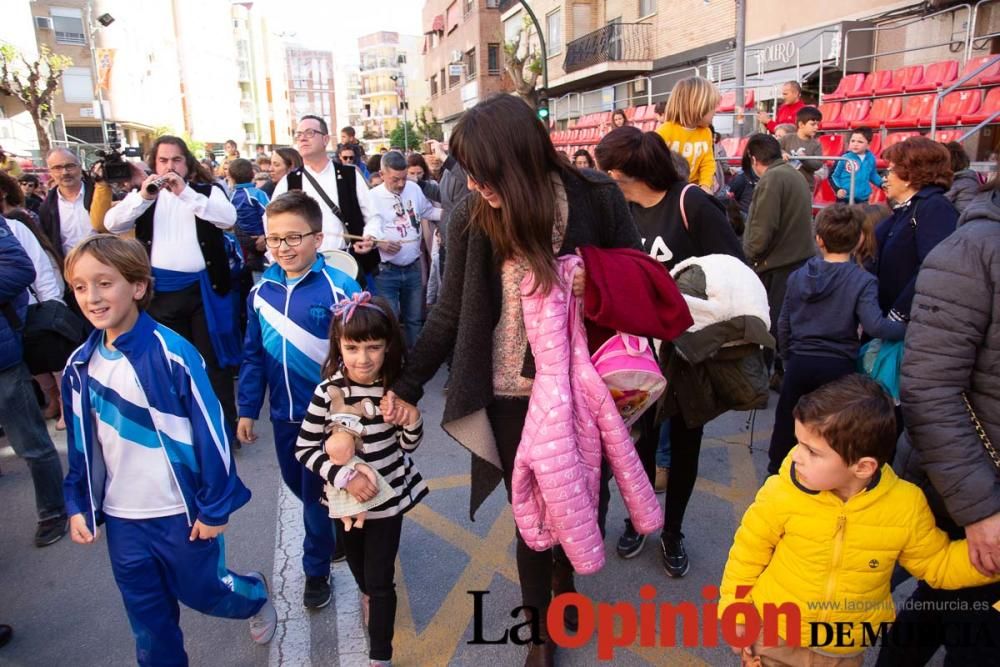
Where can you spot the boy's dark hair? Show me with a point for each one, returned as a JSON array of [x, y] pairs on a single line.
[[28, 178], [854, 415], [349, 131], [806, 114], [764, 148], [840, 227], [865, 132], [241, 170], [298, 203], [374, 163], [959, 158], [368, 324], [323, 127], [127, 256]]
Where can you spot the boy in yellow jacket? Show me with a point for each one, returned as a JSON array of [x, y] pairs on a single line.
[[825, 533]]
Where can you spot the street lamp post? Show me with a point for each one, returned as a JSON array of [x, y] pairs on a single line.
[[91, 32]]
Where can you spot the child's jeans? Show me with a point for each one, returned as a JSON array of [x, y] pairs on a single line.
[[155, 565], [663, 446], [371, 555]]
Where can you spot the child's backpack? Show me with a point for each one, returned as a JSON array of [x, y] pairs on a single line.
[[628, 367]]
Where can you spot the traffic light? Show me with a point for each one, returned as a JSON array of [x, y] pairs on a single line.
[[114, 139], [543, 110]]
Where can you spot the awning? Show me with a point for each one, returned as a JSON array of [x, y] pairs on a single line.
[[768, 85], [438, 24]]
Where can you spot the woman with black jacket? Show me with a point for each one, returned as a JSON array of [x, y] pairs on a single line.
[[527, 206], [676, 222]]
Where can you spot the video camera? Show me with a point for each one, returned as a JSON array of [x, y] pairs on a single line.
[[114, 167]]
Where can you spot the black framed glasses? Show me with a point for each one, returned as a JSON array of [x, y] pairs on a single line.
[[291, 240], [308, 134]]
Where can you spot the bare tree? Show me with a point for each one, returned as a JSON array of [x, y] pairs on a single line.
[[524, 66], [34, 84]]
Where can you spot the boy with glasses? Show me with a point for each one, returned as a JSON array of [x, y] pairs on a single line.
[[288, 322]]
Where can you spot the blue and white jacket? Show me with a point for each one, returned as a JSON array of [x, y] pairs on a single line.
[[288, 338], [184, 411]]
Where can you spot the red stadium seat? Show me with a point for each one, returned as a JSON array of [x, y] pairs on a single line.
[[878, 196], [883, 109], [850, 83], [944, 136], [892, 139], [990, 105], [851, 111], [914, 108], [833, 144], [824, 195], [831, 112], [901, 78], [954, 105], [727, 102], [877, 79], [936, 75], [989, 75]]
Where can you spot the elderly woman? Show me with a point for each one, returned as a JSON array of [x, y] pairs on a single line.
[[950, 394], [919, 174]]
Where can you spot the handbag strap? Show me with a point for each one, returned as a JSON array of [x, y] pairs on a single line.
[[684, 215], [325, 197], [981, 432]]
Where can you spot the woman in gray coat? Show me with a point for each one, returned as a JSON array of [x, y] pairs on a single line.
[[953, 356]]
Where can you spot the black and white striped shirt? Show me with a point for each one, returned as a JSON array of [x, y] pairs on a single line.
[[385, 447]]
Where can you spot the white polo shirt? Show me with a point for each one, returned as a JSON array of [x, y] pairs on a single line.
[[74, 219]]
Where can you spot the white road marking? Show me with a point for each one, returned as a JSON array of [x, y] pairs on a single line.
[[292, 643]]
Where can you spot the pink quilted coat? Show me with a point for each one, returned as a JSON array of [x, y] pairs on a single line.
[[572, 423]]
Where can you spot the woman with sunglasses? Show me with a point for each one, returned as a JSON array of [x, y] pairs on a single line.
[[527, 206]]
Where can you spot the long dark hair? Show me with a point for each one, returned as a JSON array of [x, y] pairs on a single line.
[[640, 155], [197, 173], [501, 144], [368, 324], [290, 157], [417, 160]]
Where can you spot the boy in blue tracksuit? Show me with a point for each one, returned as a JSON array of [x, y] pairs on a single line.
[[149, 458], [862, 163], [287, 340]]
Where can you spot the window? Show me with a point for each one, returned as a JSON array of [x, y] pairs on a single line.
[[493, 59], [68, 25], [492, 4], [470, 65], [647, 7], [469, 4], [401, 59], [78, 86], [553, 32], [434, 86], [454, 79]]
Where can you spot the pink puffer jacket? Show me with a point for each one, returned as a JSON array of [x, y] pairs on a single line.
[[572, 422]]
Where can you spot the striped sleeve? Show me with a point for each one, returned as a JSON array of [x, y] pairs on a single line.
[[309, 445], [410, 437]]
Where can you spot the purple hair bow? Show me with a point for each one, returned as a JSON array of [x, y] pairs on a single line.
[[344, 309]]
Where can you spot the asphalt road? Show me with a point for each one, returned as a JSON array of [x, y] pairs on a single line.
[[66, 610]]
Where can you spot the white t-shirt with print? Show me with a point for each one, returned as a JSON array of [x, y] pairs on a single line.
[[398, 219]]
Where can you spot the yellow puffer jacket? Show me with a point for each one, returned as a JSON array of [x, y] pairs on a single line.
[[815, 550]]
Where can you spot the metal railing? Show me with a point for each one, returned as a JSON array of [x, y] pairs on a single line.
[[895, 26], [822, 56], [972, 22], [615, 42], [961, 80]]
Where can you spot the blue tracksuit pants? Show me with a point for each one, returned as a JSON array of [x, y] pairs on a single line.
[[319, 542], [155, 566]]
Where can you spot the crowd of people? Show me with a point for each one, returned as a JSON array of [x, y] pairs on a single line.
[[337, 287]]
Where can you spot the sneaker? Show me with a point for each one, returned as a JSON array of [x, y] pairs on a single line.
[[675, 558], [264, 622], [50, 531], [339, 556], [317, 592], [660, 485], [630, 544]]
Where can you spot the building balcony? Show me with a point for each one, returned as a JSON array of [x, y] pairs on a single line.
[[616, 42], [380, 63]]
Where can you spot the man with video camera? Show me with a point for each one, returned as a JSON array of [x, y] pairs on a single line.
[[179, 214]]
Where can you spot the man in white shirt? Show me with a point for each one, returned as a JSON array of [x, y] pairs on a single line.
[[400, 208], [179, 215], [65, 213], [329, 184]]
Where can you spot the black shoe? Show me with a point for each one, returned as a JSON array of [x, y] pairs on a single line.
[[317, 592], [675, 558], [630, 544], [339, 556], [6, 632], [50, 531]]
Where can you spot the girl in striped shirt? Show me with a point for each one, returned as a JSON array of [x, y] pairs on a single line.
[[366, 355]]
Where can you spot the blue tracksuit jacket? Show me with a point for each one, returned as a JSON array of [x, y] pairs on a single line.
[[288, 338], [184, 411]]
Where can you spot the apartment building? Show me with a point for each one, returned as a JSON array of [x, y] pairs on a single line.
[[310, 75], [265, 111], [392, 84], [17, 131], [463, 55]]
